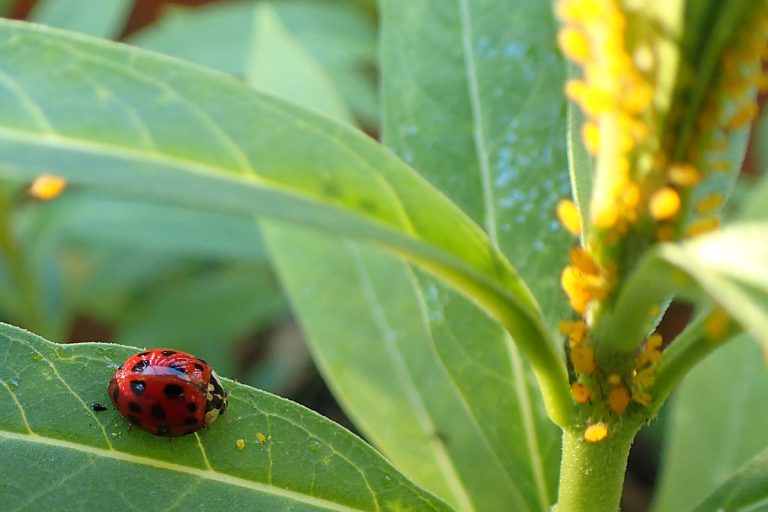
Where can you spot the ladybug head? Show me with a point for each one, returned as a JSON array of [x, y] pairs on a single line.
[[215, 400]]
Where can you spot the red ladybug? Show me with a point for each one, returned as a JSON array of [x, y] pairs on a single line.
[[167, 392]]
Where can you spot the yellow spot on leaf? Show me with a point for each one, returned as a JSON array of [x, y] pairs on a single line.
[[261, 438]]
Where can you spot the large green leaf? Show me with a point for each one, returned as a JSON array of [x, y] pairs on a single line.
[[57, 451], [450, 392], [472, 94], [480, 113], [336, 34], [101, 18], [716, 424], [745, 491]]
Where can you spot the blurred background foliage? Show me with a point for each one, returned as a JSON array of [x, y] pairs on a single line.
[[85, 267]]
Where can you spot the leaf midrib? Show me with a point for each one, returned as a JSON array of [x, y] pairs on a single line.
[[203, 474], [524, 402]]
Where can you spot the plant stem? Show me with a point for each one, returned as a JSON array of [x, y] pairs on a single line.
[[592, 474]]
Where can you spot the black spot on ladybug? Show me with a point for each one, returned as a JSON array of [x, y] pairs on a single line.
[[134, 406], [133, 419], [158, 412], [162, 430], [142, 354], [137, 387], [174, 391], [190, 421], [140, 366], [199, 367], [167, 353], [96, 406], [192, 407], [177, 368]]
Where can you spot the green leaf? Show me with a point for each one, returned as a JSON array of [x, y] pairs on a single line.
[[279, 64], [84, 218], [453, 380], [56, 450], [340, 37], [746, 490], [480, 112], [728, 265], [146, 126], [98, 18], [716, 424]]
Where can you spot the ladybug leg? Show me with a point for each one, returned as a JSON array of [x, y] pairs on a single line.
[[130, 427]]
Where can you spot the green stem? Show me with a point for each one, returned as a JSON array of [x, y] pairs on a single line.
[[592, 474], [685, 352]]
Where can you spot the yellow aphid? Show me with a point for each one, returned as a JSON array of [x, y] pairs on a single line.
[[716, 325], [569, 216], [614, 379], [240, 444], [47, 187], [684, 175], [590, 134], [261, 438], [596, 433], [582, 260], [644, 378], [642, 397], [580, 392], [607, 217], [664, 203], [702, 226], [720, 166], [742, 117], [709, 204], [576, 330], [574, 43], [583, 359], [618, 399]]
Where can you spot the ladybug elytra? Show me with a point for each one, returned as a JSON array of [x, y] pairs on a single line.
[[167, 392]]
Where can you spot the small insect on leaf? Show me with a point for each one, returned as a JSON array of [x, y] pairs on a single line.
[[96, 406]]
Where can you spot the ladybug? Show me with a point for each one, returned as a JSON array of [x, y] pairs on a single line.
[[167, 392]]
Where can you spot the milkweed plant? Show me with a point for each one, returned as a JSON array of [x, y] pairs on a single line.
[[482, 289]]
